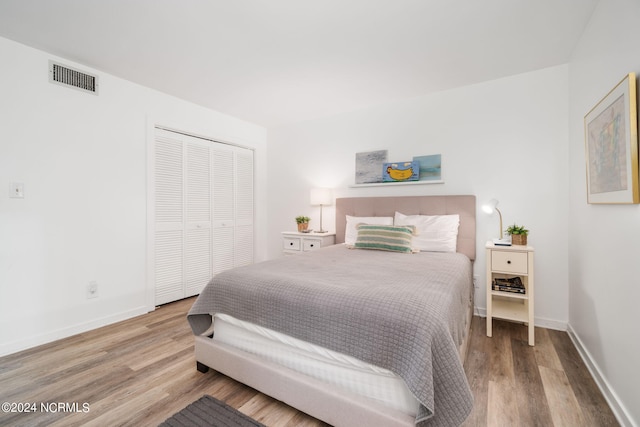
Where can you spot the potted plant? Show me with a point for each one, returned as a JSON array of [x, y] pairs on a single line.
[[518, 234], [303, 223]]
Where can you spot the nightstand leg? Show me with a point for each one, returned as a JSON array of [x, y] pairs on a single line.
[[531, 334], [489, 324]]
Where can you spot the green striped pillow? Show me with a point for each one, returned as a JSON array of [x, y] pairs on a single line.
[[385, 237]]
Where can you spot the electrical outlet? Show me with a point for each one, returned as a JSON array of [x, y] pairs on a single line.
[[92, 289], [16, 190]]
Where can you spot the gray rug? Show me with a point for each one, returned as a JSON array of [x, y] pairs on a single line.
[[208, 411]]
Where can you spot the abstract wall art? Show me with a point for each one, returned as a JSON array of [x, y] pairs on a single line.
[[611, 146]]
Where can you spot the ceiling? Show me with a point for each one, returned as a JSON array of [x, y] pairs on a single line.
[[275, 62]]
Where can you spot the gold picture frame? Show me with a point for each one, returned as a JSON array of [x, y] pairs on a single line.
[[611, 146]]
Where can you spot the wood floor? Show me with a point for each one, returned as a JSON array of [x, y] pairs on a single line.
[[141, 371]]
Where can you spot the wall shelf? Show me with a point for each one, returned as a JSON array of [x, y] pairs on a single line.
[[392, 184]]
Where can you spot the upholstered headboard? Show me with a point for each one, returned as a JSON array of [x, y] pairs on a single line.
[[465, 206]]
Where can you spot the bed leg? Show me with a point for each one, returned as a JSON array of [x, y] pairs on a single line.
[[201, 367]]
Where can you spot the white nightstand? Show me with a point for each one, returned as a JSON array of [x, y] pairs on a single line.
[[294, 242], [508, 262]]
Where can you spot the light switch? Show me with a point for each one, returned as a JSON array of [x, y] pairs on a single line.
[[16, 190]]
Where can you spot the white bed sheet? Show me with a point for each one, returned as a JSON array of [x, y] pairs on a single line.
[[334, 368]]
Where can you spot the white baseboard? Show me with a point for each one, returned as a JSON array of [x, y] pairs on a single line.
[[551, 324], [34, 341], [609, 394]]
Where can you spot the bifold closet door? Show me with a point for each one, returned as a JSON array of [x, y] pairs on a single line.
[[182, 261], [168, 245], [243, 243], [197, 251], [203, 220], [232, 208]]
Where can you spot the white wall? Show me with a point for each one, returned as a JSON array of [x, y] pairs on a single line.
[[604, 251], [504, 139], [82, 159]]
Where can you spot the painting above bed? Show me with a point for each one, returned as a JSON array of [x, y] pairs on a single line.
[[369, 166], [372, 167]]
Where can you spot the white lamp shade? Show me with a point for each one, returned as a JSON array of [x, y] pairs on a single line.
[[321, 196], [490, 206]]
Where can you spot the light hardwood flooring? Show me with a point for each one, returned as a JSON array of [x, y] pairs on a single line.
[[141, 371]]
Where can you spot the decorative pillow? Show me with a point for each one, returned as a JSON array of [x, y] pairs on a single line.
[[385, 237], [351, 232], [434, 233]]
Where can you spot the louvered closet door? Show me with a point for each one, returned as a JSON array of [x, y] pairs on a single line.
[[232, 207], [223, 209], [198, 262], [203, 222], [169, 218], [243, 244], [183, 254]]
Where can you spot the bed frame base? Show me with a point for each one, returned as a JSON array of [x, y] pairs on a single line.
[[325, 402], [318, 399], [322, 401]]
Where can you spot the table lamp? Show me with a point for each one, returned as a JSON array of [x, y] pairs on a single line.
[[322, 197], [490, 207]]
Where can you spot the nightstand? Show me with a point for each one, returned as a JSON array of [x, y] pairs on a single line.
[[294, 242], [511, 264]]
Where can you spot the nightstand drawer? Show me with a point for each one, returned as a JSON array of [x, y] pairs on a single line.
[[297, 243], [510, 262], [311, 244], [291, 244]]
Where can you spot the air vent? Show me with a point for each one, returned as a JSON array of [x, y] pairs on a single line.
[[67, 76]]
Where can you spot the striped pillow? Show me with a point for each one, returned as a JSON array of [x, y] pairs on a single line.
[[385, 237]]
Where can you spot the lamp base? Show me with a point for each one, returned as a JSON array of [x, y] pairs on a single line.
[[502, 242], [321, 231]]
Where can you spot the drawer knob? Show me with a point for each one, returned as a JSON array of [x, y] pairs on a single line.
[[290, 243], [508, 261], [311, 245]]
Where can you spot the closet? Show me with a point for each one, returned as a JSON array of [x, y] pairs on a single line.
[[202, 204]]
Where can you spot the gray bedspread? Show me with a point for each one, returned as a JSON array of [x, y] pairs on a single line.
[[399, 311]]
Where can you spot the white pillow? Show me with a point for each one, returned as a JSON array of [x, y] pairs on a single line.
[[434, 233], [351, 232]]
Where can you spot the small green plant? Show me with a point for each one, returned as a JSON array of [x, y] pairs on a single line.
[[517, 229], [302, 219]]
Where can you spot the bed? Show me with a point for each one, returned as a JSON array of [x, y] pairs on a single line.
[[391, 326]]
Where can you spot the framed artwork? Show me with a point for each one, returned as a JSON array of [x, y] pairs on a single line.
[[369, 166], [611, 146], [430, 167], [400, 171]]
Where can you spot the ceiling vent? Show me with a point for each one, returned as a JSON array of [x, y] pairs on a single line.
[[67, 76]]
